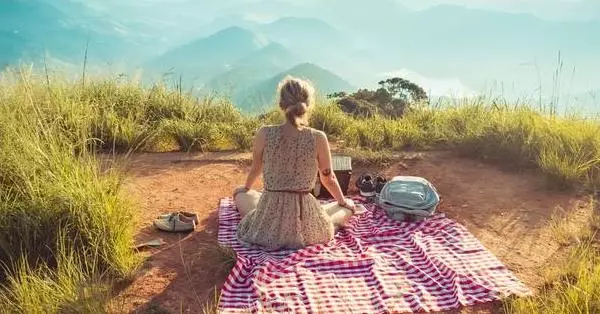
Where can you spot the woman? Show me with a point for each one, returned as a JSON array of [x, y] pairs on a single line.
[[289, 155]]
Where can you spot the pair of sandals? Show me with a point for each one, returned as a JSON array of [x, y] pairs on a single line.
[[370, 185], [180, 221]]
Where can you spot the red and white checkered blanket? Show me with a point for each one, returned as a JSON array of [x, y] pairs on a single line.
[[375, 265]]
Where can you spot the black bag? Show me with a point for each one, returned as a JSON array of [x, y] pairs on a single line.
[[342, 168]]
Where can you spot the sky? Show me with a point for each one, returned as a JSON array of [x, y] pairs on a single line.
[[549, 9]]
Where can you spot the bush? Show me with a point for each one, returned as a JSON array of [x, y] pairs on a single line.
[[330, 119], [241, 135]]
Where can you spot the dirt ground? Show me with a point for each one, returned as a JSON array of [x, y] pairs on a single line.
[[509, 212]]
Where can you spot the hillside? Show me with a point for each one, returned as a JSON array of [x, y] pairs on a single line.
[[207, 57], [261, 96], [23, 34], [551, 249], [314, 39], [61, 29]]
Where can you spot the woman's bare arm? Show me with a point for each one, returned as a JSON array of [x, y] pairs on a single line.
[[257, 158], [326, 173]]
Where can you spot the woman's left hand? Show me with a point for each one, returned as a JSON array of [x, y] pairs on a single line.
[[348, 204], [241, 189]]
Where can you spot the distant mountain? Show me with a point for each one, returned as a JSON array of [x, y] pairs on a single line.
[[310, 37], [224, 22], [61, 29], [253, 68], [207, 57], [273, 54], [34, 27], [357, 40], [360, 18], [479, 45], [319, 42], [262, 95]]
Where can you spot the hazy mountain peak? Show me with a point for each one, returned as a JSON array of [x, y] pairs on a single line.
[[300, 24], [206, 57], [295, 20], [233, 32], [273, 54], [262, 95], [307, 66]]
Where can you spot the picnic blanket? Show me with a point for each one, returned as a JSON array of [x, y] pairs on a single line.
[[375, 265]]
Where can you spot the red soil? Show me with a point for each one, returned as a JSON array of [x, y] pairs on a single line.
[[508, 212]]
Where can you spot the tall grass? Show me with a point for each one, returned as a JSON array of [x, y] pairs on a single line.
[[65, 225], [566, 150], [63, 221], [122, 116], [575, 290], [572, 283]]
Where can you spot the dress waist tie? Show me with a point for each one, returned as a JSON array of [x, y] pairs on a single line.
[[300, 194]]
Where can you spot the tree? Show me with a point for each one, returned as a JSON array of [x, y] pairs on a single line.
[[404, 89], [391, 99], [337, 95]]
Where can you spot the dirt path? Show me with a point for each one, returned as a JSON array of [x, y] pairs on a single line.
[[508, 212]]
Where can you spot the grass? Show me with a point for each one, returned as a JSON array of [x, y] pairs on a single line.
[[212, 306], [65, 230], [565, 150], [73, 286], [64, 225], [572, 284], [576, 290]]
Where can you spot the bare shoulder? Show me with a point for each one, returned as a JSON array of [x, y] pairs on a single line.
[[263, 130], [319, 135], [261, 135], [320, 138]]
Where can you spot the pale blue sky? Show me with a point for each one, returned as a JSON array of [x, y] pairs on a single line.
[[555, 9], [552, 9]]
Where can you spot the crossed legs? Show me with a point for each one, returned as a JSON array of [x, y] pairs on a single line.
[[248, 201]]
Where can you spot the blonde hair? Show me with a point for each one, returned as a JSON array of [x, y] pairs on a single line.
[[296, 97]]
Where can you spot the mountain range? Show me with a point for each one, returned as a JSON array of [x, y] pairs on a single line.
[[239, 47], [253, 68], [259, 96], [207, 57], [243, 66]]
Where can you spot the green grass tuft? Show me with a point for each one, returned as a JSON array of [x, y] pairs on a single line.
[[63, 222]]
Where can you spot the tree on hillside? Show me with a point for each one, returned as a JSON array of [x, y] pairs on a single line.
[[404, 89], [391, 99]]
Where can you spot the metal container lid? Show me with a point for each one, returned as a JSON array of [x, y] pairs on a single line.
[[341, 163]]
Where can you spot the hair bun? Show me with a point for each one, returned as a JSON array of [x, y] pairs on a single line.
[[298, 109], [302, 108]]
